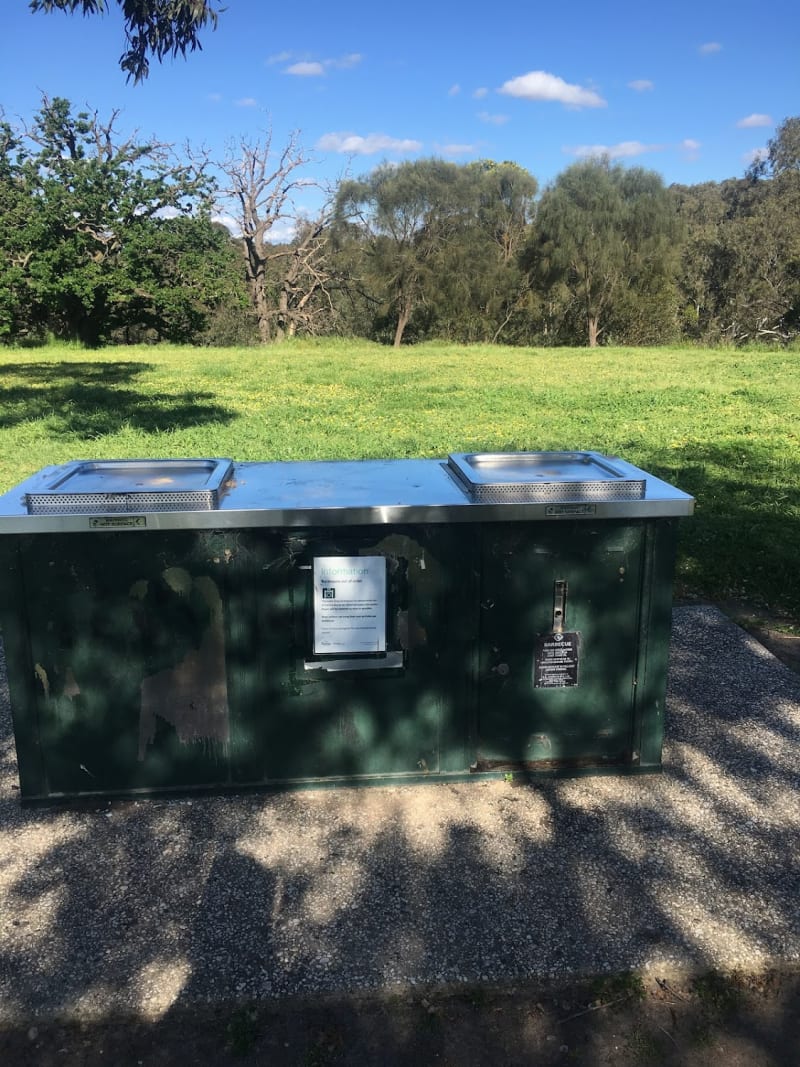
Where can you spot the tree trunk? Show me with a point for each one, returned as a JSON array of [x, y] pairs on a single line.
[[402, 321], [594, 330], [259, 297], [282, 320]]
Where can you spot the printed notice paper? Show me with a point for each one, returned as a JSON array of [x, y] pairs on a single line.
[[349, 604]]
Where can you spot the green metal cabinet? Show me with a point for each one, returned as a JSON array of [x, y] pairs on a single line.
[[175, 625]]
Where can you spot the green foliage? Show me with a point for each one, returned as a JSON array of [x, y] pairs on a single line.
[[174, 273], [108, 240], [439, 246], [104, 238], [602, 233], [152, 27], [740, 270]]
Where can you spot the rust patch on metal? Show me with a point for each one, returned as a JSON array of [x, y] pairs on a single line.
[[193, 695]]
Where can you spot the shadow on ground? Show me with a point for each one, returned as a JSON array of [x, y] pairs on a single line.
[[94, 399], [709, 1020]]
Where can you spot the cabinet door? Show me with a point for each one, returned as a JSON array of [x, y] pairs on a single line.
[[351, 713], [529, 710], [128, 652]]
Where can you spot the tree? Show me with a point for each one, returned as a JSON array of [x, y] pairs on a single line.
[[783, 151], [262, 187], [740, 263], [176, 275], [152, 27], [79, 198], [19, 235], [507, 195], [702, 210], [757, 266], [305, 279], [603, 231], [406, 219]]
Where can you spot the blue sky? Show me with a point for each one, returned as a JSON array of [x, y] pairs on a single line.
[[690, 90]]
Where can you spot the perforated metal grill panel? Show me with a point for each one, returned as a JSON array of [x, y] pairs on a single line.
[[558, 491], [119, 503]]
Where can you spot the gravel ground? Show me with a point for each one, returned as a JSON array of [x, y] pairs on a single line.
[[146, 907]]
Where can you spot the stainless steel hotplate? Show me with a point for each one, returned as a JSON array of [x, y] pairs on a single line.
[[497, 477], [142, 485]]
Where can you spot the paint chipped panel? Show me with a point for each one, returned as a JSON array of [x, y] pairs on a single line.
[[44, 681], [191, 696]]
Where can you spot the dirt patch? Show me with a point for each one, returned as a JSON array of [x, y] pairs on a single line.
[[710, 1019]]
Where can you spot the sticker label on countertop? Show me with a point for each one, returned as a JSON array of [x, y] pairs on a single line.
[[117, 522], [571, 509], [556, 659]]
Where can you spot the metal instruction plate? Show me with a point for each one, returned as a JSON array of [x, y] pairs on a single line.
[[556, 660]]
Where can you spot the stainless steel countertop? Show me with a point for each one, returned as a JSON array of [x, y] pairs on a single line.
[[342, 493]]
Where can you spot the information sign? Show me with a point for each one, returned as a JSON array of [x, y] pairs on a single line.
[[349, 604]]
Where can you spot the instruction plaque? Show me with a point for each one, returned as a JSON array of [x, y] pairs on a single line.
[[555, 662], [349, 604]]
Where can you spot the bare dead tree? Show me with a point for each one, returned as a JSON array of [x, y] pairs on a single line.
[[306, 278], [262, 185]]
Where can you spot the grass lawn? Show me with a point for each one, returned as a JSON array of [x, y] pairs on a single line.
[[723, 425]]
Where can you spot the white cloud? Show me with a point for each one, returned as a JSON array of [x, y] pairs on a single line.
[[355, 145], [352, 59], [641, 85], [690, 145], [755, 155], [494, 120], [539, 85], [623, 150], [754, 120], [317, 68], [230, 223], [457, 149], [709, 48], [305, 69], [454, 90], [282, 232], [215, 98], [247, 101], [480, 93], [279, 57]]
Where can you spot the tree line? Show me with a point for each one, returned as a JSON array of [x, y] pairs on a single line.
[[106, 239]]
